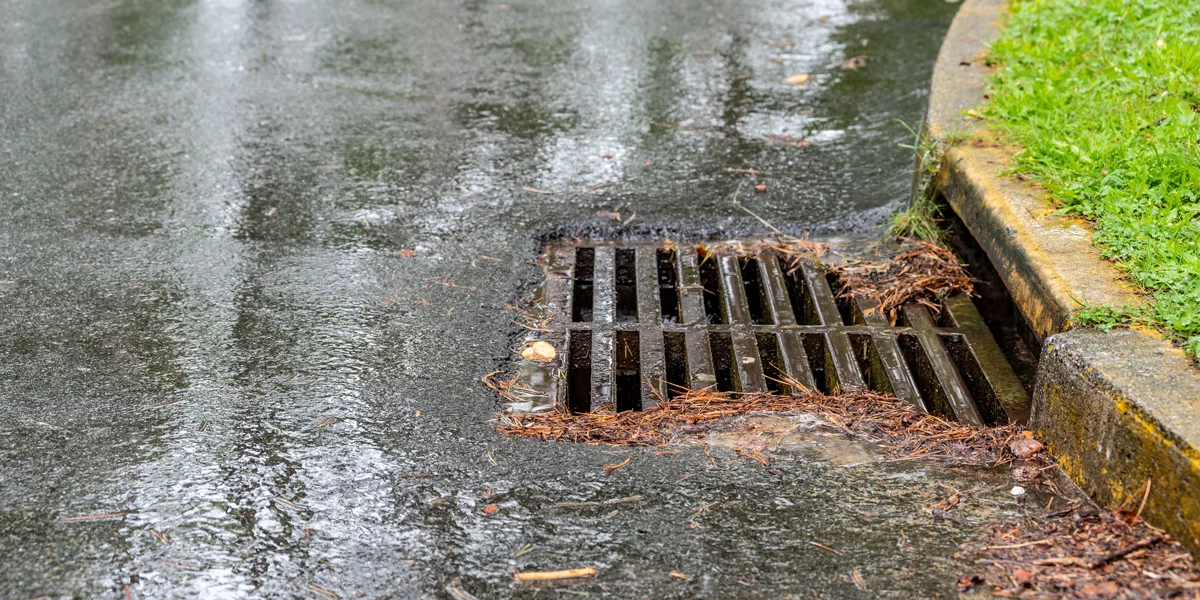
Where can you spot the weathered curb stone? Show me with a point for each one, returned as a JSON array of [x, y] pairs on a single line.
[[1115, 408]]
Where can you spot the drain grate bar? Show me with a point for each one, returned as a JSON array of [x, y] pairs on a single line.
[[649, 317], [747, 366], [841, 365], [888, 371], [638, 323], [946, 385], [691, 308], [1004, 398]]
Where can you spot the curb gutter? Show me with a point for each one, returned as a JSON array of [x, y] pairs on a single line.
[[1115, 408]]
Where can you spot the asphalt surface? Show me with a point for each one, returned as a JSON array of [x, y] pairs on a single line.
[[253, 262]]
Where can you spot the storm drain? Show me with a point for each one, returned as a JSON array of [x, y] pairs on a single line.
[[636, 323]]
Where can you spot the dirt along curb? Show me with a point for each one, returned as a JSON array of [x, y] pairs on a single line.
[[1116, 409]]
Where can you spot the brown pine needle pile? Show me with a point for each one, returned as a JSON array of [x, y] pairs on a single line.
[[791, 251], [898, 426], [923, 272]]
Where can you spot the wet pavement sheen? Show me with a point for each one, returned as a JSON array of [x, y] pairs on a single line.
[[214, 328]]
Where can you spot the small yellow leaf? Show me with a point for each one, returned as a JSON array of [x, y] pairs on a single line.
[[542, 352], [800, 79]]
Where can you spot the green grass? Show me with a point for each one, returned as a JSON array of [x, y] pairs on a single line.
[[919, 218], [1104, 98]]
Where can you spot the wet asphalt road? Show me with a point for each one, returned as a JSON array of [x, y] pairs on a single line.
[[213, 326]]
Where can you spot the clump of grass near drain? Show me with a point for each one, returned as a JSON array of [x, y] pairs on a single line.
[[919, 218], [1104, 97]]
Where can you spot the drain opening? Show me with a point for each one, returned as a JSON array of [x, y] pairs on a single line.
[[755, 299], [768, 353], [667, 292], [721, 346], [625, 286], [919, 365], [710, 280], [869, 363], [797, 297], [814, 347], [579, 371], [675, 362], [845, 304], [1015, 338], [583, 290], [627, 377]]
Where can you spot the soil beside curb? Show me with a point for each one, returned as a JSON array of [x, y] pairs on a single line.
[[1115, 408]]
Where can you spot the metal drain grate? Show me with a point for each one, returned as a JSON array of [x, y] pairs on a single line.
[[637, 322]]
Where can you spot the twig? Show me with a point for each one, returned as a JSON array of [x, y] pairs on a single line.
[[554, 575], [99, 517], [322, 591], [1145, 496], [1104, 560], [824, 547]]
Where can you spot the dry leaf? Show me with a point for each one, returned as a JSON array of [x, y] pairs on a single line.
[[542, 352], [490, 509], [1025, 447], [535, 190], [1023, 576], [967, 582], [760, 188], [787, 139], [1101, 591], [856, 62], [947, 504], [407, 253], [609, 214], [678, 575], [799, 79]]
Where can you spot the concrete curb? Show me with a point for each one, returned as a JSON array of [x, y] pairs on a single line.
[[1011, 220], [1115, 408], [1120, 408]]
